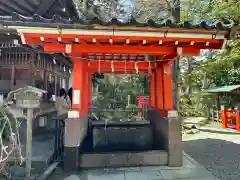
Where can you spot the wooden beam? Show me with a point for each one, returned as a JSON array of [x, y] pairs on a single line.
[[130, 65], [125, 39], [78, 49], [127, 31], [190, 51]]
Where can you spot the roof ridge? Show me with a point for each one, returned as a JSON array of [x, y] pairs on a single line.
[[57, 19]]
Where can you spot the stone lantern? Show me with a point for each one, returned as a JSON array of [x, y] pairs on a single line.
[[28, 98]]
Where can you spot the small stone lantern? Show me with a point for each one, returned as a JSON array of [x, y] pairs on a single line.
[[28, 98]]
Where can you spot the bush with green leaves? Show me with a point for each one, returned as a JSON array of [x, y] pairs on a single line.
[[112, 102]]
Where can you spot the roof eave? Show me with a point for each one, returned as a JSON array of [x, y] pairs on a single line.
[[14, 25]]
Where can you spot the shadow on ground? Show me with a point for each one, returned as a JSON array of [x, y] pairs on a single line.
[[221, 158]]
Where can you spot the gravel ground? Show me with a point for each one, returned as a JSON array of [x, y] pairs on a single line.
[[217, 149]]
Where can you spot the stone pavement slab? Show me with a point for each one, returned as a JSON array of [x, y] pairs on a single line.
[[105, 176], [187, 164], [190, 170], [204, 178], [130, 169], [150, 175], [72, 177], [185, 174]]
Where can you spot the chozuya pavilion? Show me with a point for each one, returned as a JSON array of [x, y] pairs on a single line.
[[116, 47]]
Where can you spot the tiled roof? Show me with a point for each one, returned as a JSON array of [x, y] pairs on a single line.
[[58, 21], [63, 13], [46, 8]]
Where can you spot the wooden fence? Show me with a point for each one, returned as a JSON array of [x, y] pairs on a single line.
[[215, 115]]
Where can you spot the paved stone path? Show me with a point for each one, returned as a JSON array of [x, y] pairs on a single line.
[[191, 170], [217, 149]]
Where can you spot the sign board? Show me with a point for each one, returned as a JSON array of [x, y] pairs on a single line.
[[172, 114], [1, 99], [42, 121], [76, 97]]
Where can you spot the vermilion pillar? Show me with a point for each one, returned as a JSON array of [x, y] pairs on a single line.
[[90, 89], [159, 86], [224, 116], [166, 122], [81, 87], [237, 120], [77, 122], [153, 89], [86, 94], [77, 85], [168, 85], [174, 124]]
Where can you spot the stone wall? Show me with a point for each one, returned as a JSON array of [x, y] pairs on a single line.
[[119, 136], [160, 129]]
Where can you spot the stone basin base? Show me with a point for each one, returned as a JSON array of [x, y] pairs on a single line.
[[123, 159]]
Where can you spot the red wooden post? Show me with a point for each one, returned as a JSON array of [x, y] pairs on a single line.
[[80, 94], [237, 120], [167, 85], [76, 124], [224, 117], [159, 86], [86, 93], [90, 89], [153, 89]]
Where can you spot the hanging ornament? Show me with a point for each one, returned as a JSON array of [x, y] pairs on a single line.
[[149, 68], [125, 68], [136, 67], [99, 65], [112, 66], [54, 60]]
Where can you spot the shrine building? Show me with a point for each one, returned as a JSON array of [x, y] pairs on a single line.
[[117, 47]]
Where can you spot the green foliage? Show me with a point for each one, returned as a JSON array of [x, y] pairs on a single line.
[[196, 106], [212, 10], [222, 70], [114, 90], [219, 68], [112, 102], [222, 10], [187, 110]]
